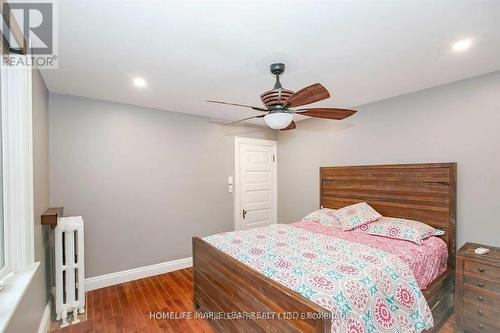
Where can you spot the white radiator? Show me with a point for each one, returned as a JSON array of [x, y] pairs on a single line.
[[70, 273]]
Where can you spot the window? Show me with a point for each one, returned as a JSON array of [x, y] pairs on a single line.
[[16, 191], [16, 177], [2, 243], [2, 235]]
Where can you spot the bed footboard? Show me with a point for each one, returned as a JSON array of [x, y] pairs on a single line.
[[237, 298]]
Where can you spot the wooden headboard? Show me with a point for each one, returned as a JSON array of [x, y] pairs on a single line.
[[421, 192]]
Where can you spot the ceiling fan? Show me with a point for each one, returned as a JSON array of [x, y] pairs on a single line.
[[279, 101]]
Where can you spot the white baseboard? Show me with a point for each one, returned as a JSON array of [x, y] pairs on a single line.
[[45, 322], [106, 280]]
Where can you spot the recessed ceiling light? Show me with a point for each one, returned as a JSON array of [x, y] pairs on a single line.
[[139, 82], [462, 45]]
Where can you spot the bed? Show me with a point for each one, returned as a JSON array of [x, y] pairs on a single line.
[[423, 192]]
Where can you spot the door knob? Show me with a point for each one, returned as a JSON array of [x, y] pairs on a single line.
[[244, 212]]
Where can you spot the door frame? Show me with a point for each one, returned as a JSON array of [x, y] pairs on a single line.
[[238, 140]]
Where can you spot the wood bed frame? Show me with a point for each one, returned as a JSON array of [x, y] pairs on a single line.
[[423, 192]]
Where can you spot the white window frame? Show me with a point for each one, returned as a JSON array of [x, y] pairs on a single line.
[[17, 158]]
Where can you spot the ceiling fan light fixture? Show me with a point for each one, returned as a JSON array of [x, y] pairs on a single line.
[[278, 120]]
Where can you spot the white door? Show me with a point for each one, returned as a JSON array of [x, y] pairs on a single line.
[[255, 183]]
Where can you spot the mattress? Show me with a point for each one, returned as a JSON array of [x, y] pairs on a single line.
[[427, 261]]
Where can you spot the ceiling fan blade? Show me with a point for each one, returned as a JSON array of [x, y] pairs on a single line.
[[290, 127], [242, 105], [237, 121], [308, 95], [326, 113]]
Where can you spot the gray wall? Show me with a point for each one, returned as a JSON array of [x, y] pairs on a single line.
[[29, 312], [458, 122], [144, 180]]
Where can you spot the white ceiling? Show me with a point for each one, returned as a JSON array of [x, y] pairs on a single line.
[[189, 51]]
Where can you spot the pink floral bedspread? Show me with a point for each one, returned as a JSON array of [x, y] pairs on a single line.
[[427, 261], [366, 289]]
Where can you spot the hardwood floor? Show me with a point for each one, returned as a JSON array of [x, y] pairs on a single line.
[[126, 307]]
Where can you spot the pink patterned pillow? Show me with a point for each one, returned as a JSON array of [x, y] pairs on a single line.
[[356, 215], [323, 216], [397, 228]]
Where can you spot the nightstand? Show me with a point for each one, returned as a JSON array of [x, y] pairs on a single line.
[[477, 289]]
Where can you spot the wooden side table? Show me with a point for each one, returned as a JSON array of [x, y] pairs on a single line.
[[477, 289]]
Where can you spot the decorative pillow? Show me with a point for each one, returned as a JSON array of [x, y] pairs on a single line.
[[323, 216], [397, 228], [356, 215]]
